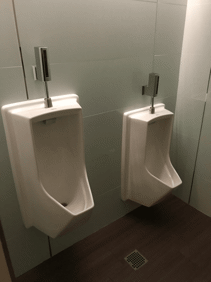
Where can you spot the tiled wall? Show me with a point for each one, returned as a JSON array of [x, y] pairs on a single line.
[[194, 74], [168, 47], [201, 190], [103, 51]]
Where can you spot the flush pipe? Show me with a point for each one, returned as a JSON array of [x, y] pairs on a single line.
[[43, 71], [151, 89]]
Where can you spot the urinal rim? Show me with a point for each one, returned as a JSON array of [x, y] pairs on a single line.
[[35, 102]]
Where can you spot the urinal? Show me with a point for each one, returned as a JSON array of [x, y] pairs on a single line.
[[47, 157], [147, 175]]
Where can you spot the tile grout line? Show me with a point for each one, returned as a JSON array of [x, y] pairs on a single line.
[[102, 113], [155, 29], [20, 50], [49, 245], [197, 150], [12, 67], [119, 186], [173, 4]]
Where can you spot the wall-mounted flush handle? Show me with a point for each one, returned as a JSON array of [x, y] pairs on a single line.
[[43, 71], [151, 89], [42, 64]]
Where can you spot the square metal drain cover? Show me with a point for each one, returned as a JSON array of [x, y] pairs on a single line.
[[136, 260]]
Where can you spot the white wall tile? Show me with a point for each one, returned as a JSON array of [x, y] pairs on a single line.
[[183, 191], [167, 67], [203, 165], [197, 39], [106, 48], [183, 154], [203, 168], [169, 29], [194, 75], [12, 90], [27, 251], [199, 20], [103, 136], [201, 195], [9, 49], [86, 30], [188, 117], [101, 85], [12, 86], [170, 102], [10, 211], [110, 207]]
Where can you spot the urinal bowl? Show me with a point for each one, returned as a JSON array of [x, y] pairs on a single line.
[[47, 156], [147, 173]]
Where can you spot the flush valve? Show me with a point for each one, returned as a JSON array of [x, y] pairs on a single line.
[[43, 71], [151, 89]]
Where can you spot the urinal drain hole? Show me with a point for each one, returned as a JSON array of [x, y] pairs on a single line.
[[136, 260], [64, 204]]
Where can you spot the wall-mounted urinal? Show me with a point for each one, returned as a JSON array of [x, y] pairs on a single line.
[[147, 175], [47, 157]]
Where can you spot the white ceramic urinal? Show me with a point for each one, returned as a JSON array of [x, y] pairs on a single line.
[[47, 157], [147, 175]]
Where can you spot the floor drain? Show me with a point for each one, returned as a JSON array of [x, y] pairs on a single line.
[[64, 204], [136, 260]]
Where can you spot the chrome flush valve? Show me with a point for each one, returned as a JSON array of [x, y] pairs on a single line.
[[151, 89], [43, 71]]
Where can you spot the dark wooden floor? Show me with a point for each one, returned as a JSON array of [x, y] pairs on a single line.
[[174, 237]]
